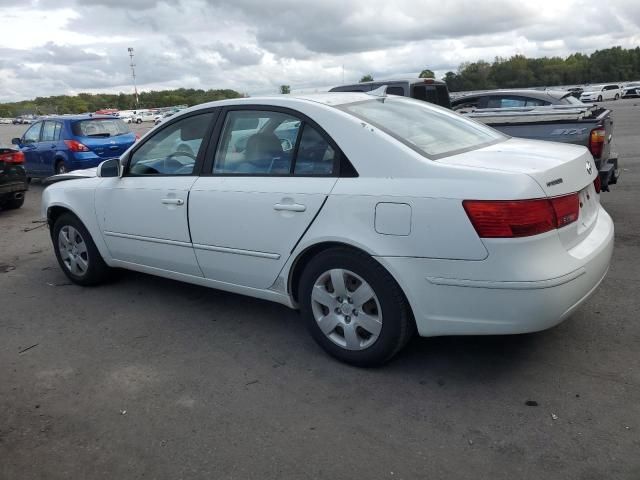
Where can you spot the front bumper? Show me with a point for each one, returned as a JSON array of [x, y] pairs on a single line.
[[494, 296]]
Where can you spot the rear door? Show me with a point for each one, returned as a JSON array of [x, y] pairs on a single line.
[[251, 205], [48, 145]]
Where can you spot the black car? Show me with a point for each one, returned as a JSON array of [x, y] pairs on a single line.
[[632, 90], [13, 178]]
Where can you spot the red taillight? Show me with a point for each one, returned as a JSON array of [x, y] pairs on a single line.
[[597, 140], [76, 146], [597, 183], [137, 137], [14, 158], [521, 218]]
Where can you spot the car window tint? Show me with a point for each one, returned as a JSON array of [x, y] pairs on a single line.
[[315, 155], [100, 127], [466, 104], [48, 132], [395, 91], [172, 150], [58, 130], [256, 143], [506, 102], [32, 135], [536, 102]]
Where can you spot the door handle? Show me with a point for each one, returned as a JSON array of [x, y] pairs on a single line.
[[291, 207], [173, 201]]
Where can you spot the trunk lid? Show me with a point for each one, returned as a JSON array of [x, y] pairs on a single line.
[[108, 147], [559, 169], [107, 137]]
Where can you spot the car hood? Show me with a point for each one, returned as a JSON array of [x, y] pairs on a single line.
[[589, 92], [72, 175]]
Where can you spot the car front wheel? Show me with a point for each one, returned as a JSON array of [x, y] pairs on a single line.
[[354, 308], [77, 255], [599, 98], [617, 96]]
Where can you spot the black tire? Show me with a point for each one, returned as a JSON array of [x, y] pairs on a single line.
[[617, 96], [14, 203], [60, 167], [397, 321], [97, 271], [138, 120], [600, 98]]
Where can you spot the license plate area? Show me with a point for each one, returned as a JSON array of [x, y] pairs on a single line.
[[588, 207]]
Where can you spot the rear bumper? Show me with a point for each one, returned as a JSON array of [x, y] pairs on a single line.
[[475, 299]]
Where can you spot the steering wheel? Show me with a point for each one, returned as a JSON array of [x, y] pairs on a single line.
[[181, 153]]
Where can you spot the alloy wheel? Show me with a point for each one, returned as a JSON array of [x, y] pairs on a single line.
[[346, 309], [73, 251]]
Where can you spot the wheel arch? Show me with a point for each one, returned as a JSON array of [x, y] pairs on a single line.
[[305, 255]]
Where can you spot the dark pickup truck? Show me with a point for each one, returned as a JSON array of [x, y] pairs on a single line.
[[587, 125]]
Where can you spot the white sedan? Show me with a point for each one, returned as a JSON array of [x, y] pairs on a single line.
[[376, 216]]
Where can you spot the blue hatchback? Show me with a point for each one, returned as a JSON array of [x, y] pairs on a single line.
[[60, 144]]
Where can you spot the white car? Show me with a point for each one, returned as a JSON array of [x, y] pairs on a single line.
[[598, 93], [376, 216]]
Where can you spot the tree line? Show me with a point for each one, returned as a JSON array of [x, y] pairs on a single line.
[[610, 65], [90, 102]]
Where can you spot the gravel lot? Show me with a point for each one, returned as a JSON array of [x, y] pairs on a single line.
[[150, 378]]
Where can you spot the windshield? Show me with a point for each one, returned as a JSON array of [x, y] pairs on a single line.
[[432, 131], [100, 127]]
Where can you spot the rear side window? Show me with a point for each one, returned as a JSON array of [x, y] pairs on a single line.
[[50, 131], [99, 127], [315, 155]]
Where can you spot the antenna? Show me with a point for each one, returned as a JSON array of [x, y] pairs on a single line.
[[133, 74]]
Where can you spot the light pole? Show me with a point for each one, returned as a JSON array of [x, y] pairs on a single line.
[[133, 74]]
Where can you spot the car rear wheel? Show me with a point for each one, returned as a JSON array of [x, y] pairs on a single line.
[[60, 167], [14, 203], [76, 252], [354, 308]]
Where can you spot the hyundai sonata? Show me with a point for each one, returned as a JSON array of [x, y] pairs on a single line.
[[377, 216]]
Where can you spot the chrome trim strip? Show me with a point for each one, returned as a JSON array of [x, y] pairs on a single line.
[[148, 239], [236, 251], [530, 285]]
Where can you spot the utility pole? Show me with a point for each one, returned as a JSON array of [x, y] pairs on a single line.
[[133, 74]]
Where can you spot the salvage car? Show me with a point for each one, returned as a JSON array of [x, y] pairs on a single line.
[[384, 217], [60, 144], [13, 178]]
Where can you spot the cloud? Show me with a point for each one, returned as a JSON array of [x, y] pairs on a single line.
[[64, 46]]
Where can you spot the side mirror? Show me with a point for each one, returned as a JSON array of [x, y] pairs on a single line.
[[109, 168], [16, 141]]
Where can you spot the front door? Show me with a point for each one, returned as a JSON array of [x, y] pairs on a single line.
[[29, 146], [49, 145], [260, 195], [144, 214]]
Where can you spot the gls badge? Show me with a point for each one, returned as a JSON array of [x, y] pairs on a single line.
[[589, 169]]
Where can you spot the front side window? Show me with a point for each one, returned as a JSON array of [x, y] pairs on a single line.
[[32, 135], [432, 131], [172, 150]]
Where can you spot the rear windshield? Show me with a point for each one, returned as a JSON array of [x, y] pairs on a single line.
[[100, 127], [431, 131]]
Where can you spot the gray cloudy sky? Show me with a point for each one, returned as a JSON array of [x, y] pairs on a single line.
[[50, 47]]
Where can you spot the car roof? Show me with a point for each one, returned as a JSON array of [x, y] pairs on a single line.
[[85, 116], [547, 95]]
